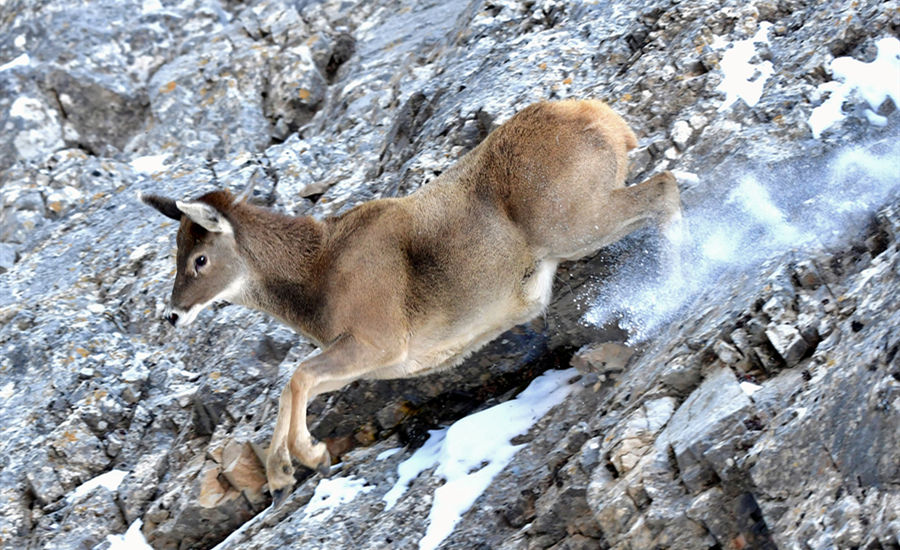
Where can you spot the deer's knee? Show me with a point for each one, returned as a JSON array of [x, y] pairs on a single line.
[[301, 382]]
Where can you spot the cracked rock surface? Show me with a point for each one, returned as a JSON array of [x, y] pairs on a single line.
[[763, 413]]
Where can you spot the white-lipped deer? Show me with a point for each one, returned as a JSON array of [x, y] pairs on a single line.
[[407, 286]]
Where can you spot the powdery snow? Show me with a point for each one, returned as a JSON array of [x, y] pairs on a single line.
[[875, 82], [757, 202], [742, 79], [763, 215], [471, 452]]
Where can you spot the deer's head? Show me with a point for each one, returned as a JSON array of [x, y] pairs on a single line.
[[209, 266]]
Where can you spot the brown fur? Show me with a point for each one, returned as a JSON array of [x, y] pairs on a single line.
[[407, 286]]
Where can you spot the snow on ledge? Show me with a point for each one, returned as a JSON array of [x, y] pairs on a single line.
[[132, 539], [150, 164], [110, 480], [331, 493], [388, 453], [471, 452], [742, 79], [875, 82], [21, 61]]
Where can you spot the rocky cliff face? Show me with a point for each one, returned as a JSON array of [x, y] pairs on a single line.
[[755, 404]]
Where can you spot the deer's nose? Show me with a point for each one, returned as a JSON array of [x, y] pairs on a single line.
[[172, 318]]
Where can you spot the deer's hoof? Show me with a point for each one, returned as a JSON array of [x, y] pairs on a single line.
[[279, 496], [324, 467]]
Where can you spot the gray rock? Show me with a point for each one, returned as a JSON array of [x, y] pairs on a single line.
[[788, 342], [86, 525], [140, 485], [35, 126], [295, 90], [714, 408], [8, 256], [680, 133], [75, 451]]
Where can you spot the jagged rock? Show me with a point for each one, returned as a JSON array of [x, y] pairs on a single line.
[[295, 91], [682, 374], [34, 125], [7, 256], [210, 99], [714, 409], [244, 471], [807, 274], [100, 114], [788, 342], [727, 353], [639, 432], [43, 483], [680, 133], [85, 526], [77, 453], [139, 486]]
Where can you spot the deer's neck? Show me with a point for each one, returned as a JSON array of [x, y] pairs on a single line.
[[285, 256]]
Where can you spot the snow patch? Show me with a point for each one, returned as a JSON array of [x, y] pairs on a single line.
[[875, 82], [150, 164], [388, 453], [331, 493], [110, 480], [27, 108], [151, 6], [686, 177], [132, 539], [749, 387], [742, 79], [471, 452], [8, 390], [21, 61]]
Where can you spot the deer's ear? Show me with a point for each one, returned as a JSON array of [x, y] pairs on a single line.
[[166, 206], [205, 216]]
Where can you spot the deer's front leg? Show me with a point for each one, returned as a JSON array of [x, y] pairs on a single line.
[[279, 472], [346, 360]]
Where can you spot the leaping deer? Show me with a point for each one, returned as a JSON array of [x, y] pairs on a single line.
[[408, 286]]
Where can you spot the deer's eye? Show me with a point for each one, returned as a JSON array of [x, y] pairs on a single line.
[[200, 261]]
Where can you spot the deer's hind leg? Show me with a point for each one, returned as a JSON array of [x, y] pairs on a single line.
[[655, 201]]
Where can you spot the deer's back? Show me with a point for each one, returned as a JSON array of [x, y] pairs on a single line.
[[465, 243]]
